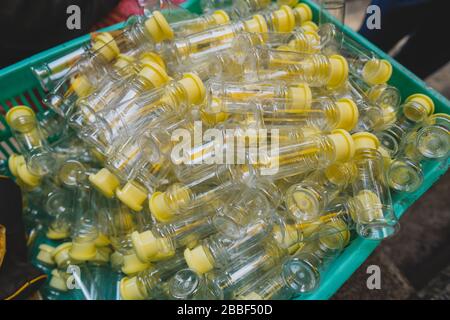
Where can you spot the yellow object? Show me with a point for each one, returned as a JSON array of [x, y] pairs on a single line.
[[102, 255], [61, 254], [57, 282], [132, 264], [81, 85], [309, 26], [412, 112], [106, 46], [348, 114], [304, 12], [159, 208], [16, 113], [45, 254], [83, 251], [130, 290], [102, 240], [338, 72], [150, 56], [105, 182], [28, 177], [377, 71], [197, 260], [194, 87], [256, 24], [14, 161], [343, 145], [365, 140], [145, 244], [132, 196], [387, 160], [154, 74], [283, 19], [338, 240], [158, 27], [301, 96], [220, 17], [54, 234], [123, 61], [339, 175]]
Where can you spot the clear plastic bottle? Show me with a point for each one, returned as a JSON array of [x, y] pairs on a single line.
[[219, 250], [186, 284], [431, 143], [85, 220], [307, 199], [164, 238], [317, 70], [372, 205], [110, 88], [217, 39], [243, 272], [122, 222], [314, 152], [38, 156], [203, 187], [151, 283], [118, 122], [412, 113], [310, 261]]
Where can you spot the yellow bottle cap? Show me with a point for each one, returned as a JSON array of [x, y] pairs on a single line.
[[83, 251], [288, 237], [57, 234], [17, 112], [303, 11], [27, 177], [339, 71], [45, 254], [158, 27], [102, 255], [343, 145], [365, 140], [132, 264], [155, 74], [123, 60], [256, 24], [220, 17], [106, 46], [213, 118], [102, 240], [159, 207], [348, 114], [81, 85], [301, 96], [150, 56], [57, 282], [105, 182], [130, 290], [194, 87], [284, 19], [377, 71], [412, 112], [14, 162], [61, 254], [145, 244], [309, 26], [132, 196], [197, 260]]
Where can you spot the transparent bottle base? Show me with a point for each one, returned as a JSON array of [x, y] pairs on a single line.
[[377, 230], [433, 142], [404, 176], [304, 277]]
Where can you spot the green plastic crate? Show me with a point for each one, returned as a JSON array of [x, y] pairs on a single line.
[[18, 86]]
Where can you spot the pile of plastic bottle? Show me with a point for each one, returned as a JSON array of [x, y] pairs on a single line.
[[314, 139]]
